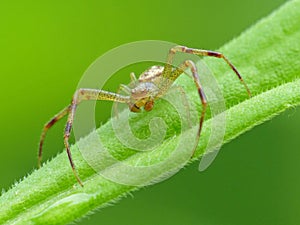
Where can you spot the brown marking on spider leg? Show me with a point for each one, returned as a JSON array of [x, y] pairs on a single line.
[[80, 95], [47, 126], [220, 55], [68, 129], [67, 145], [201, 52], [175, 74], [202, 96], [51, 122], [214, 54]]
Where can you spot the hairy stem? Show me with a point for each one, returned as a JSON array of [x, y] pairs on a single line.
[[268, 57]]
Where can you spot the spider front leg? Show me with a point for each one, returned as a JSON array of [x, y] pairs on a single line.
[[201, 52], [80, 95]]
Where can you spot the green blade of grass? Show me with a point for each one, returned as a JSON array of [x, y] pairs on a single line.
[[268, 57]]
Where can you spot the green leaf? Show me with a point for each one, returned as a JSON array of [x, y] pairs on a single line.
[[268, 57]]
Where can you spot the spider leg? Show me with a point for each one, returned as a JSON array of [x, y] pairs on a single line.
[[47, 126], [175, 74], [81, 95], [133, 77], [127, 90], [201, 52]]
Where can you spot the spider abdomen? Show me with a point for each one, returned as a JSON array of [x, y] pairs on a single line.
[[151, 74]]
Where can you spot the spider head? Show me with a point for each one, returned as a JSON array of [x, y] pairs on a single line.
[[142, 95]]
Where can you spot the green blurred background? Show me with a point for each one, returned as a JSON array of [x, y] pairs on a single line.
[[45, 48]]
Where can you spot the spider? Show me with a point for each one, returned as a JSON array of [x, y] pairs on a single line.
[[151, 85]]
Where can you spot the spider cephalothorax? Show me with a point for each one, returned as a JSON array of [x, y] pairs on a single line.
[[145, 89], [151, 85]]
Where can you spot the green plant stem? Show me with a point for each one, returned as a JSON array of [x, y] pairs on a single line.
[[268, 57]]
